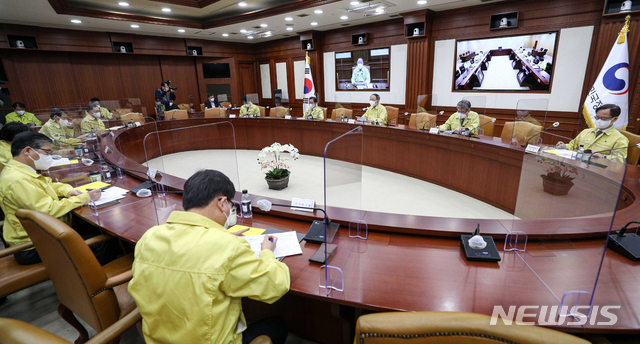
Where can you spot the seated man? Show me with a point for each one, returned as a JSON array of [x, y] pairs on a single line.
[[376, 113], [21, 187], [603, 138], [190, 274], [7, 133], [361, 75], [248, 109], [464, 118], [19, 115], [211, 102], [104, 112], [92, 122], [60, 129], [314, 111]]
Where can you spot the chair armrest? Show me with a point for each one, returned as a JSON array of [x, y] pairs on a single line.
[[118, 279], [98, 238], [117, 328], [14, 249]]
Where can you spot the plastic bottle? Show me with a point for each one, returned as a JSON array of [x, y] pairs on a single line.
[[246, 204], [580, 153]]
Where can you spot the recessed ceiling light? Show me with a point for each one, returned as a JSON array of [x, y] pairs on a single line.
[[422, 2], [122, 3], [288, 19], [181, 30], [289, 29], [344, 17], [250, 37], [263, 25], [314, 23], [76, 21], [318, 11], [380, 9], [225, 35], [243, 31], [242, 4], [135, 26], [166, 9], [354, 3]]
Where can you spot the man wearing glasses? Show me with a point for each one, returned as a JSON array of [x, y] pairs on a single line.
[[603, 138], [22, 187]]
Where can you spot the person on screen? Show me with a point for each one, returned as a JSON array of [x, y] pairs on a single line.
[[314, 111], [376, 113], [360, 74], [60, 129], [603, 137], [211, 102], [190, 274], [249, 109], [19, 115], [463, 118]]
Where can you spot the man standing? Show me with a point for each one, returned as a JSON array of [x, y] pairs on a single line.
[[190, 274], [464, 118], [19, 115], [60, 129], [376, 113]]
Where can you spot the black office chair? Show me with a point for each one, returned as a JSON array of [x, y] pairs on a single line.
[[549, 67]]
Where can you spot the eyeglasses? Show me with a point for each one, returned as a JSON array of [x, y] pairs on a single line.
[[46, 151], [603, 119]]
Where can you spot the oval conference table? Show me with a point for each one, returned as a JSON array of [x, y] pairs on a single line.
[[409, 263]]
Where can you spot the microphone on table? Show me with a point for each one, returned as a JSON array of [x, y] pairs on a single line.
[[493, 120], [555, 124], [627, 245], [359, 112], [427, 122]]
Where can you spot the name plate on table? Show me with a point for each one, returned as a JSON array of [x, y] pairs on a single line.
[[532, 149], [287, 117], [303, 118], [435, 130], [232, 116], [301, 202], [351, 121]]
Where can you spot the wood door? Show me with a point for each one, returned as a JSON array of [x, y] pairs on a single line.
[[248, 79]]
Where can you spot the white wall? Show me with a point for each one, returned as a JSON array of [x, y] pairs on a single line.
[[566, 85], [397, 89]]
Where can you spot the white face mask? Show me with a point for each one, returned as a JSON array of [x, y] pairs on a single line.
[[96, 114], [211, 100], [20, 112], [158, 103], [373, 103], [462, 115], [360, 64], [43, 162], [65, 123], [602, 124], [232, 218], [312, 105]]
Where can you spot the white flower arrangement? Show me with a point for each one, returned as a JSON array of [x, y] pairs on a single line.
[[270, 159]]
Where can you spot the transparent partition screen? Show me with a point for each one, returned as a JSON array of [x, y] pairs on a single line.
[[342, 110], [478, 103], [530, 121], [427, 113], [562, 200]]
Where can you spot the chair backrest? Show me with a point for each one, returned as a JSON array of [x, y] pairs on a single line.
[[225, 104], [202, 107], [633, 154], [176, 114], [488, 129], [278, 111], [136, 117], [122, 111], [75, 272], [521, 131], [215, 113], [263, 111], [184, 106], [450, 327], [392, 115], [341, 112], [418, 120], [324, 112]]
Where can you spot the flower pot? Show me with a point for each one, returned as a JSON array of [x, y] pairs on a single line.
[[278, 184], [555, 187]]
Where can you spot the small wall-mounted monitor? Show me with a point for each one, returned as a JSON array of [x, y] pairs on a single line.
[[216, 70]]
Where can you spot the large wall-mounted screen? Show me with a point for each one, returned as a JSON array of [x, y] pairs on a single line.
[[363, 69], [521, 63]]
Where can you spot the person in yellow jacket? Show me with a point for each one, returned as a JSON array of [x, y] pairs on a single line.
[[190, 274], [19, 115], [463, 118], [314, 111], [248, 109], [376, 113], [60, 129], [604, 140], [92, 122], [7, 133], [104, 112], [21, 187]]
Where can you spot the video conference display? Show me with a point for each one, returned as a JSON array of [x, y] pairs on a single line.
[[363, 69], [512, 63]]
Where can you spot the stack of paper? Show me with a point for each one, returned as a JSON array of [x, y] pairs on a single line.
[[111, 194], [287, 244], [63, 161], [565, 153]]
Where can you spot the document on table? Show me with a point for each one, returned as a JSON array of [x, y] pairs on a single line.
[[63, 161], [565, 153], [111, 194], [287, 245]]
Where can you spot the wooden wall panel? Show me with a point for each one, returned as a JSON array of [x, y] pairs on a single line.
[[182, 73], [140, 78], [99, 75]]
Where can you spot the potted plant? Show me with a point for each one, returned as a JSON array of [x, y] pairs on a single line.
[[270, 159], [558, 180]]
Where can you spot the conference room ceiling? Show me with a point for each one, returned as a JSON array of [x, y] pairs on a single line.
[[222, 20]]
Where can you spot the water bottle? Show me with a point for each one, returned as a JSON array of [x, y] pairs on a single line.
[[106, 173], [246, 204], [580, 153]]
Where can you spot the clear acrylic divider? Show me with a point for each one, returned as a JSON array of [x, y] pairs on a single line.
[[530, 121], [478, 103], [562, 199], [342, 203], [426, 115], [342, 110]]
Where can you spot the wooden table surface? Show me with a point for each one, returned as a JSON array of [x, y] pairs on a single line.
[[411, 263]]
